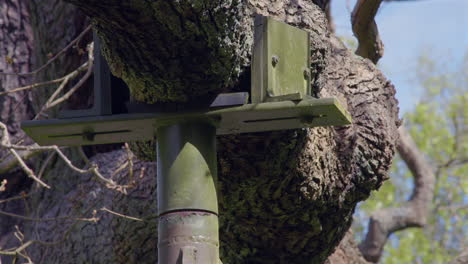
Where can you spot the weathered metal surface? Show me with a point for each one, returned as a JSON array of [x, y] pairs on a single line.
[[231, 120], [187, 199], [280, 61], [186, 156], [188, 238], [102, 88], [230, 99]]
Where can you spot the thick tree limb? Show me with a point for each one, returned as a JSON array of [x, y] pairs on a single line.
[[347, 252], [414, 212], [364, 27], [366, 31], [462, 258]]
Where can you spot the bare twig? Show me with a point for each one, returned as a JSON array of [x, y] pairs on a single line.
[[45, 164], [127, 164], [60, 53], [28, 171], [32, 86], [121, 215], [11, 162], [17, 250], [130, 160], [52, 101], [109, 182], [3, 184], [18, 158], [92, 219], [18, 197], [5, 140], [19, 235], [69, 93], [5, 143], [20, 249], [119, 169]]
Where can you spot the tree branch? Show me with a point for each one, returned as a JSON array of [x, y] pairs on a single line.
[[415, 211], [364, 27], [462, 258], [11, 162], [5, 141], [19, 156], [366, 31], [60, 53], [347, 252], [93, 168], [63, 79]]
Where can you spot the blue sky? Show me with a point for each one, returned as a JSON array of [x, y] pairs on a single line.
[[436, 27]]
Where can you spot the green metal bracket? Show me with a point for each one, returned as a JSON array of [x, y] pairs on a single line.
[[280, 62], [187, 198], [102, 87], [247, 118]]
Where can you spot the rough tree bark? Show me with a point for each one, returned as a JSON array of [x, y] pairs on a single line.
[[287, 197], [25, 45], [15, 56]]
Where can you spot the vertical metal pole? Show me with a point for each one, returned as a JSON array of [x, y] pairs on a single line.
[[187, 200]]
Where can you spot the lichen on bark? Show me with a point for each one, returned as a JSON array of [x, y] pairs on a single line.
[[173, 51]]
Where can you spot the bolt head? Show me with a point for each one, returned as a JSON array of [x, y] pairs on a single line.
[[274, 60], [306, 73]]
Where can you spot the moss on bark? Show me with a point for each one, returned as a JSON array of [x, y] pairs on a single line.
[[173, 51]]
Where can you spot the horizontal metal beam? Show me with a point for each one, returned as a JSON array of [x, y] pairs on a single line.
[[247, 118]]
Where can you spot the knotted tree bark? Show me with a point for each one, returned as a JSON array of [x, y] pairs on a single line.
[[286, 197]]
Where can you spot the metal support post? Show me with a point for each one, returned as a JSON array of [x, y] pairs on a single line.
[[187, 200]]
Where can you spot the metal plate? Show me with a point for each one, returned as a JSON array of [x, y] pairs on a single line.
[[248, 118], [102, 87], [280, 61]]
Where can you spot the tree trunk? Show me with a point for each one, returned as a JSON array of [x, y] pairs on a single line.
[[15, 56], [286, 197]]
